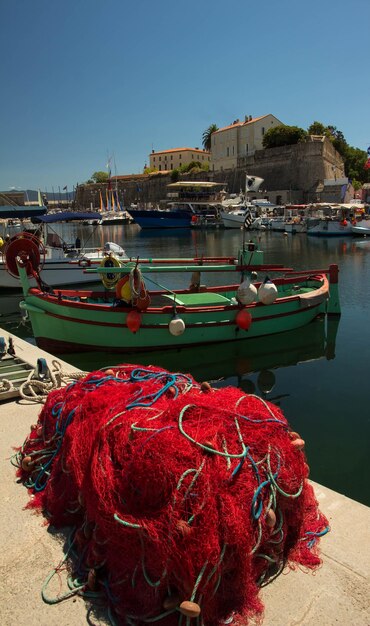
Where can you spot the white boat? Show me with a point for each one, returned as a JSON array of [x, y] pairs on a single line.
[[236, 208], [361, 228], [115, 217], [235, 218], [329, 221], [62, 264]]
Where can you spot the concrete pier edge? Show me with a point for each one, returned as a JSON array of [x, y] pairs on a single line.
[[338, 593]]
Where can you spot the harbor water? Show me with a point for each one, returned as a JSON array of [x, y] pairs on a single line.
[[317, 375]]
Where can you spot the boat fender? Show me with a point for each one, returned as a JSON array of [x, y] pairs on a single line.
[[267, 292], [176, 326], [246, 292], [133, 321], [84, 262], [243, 319]]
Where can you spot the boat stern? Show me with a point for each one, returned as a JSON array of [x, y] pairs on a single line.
[[333, 303]]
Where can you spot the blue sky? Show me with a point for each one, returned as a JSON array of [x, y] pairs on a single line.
[[83, 79]]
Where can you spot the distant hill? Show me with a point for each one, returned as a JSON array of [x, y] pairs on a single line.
[[32, 196]]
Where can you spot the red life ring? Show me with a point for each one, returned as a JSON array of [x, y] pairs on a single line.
[[84, 262]]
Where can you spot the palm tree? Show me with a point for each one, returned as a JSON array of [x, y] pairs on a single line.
[[206, 137]]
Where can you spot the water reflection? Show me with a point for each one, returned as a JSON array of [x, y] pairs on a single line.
[[234, 360]]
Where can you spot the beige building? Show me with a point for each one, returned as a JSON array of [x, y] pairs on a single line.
[[167, 160], [240, 139]]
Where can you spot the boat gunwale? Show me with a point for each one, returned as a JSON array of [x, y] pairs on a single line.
[[54, 299]]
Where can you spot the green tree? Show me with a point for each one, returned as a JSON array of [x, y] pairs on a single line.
[[284, 136], [207, 136], [354, 159], [317, 128], [100, 177], [354, 162]]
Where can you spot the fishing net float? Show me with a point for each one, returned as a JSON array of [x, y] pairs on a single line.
[[183, 500]]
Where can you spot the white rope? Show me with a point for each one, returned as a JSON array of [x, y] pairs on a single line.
[[6, 385], [135, 274], [37, 390]]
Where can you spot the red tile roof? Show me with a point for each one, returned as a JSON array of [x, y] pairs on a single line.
[[238, 124], [181, 150]]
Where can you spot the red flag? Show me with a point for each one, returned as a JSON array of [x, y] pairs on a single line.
[[367, 165]]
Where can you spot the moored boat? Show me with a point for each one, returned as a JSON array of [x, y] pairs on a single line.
[[188, 204], [329, 221], [62, 264], [133, 318], [361, 228]]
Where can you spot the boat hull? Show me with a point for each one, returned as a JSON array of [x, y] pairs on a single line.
[[74, 327], [327, 228], [147, 218], [362, 228]]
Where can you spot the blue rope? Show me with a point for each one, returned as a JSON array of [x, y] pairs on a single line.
[[43, 473]]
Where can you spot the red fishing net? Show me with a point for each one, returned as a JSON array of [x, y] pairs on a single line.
[[184, 499]]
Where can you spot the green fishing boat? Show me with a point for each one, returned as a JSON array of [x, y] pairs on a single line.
[[128, 316]]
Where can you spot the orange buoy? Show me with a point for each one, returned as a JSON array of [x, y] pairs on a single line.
[[298, 444], [27, 464], [270, 518], [190, 609], [183, 527], [205, 386]]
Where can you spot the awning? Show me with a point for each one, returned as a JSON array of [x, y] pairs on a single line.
[[67, 216], [17, 212]]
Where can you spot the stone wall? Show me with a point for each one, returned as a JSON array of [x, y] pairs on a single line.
[[297, 168], [290, 173]]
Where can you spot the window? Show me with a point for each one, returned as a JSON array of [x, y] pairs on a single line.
[[246, 148], [153, 159], [171, 157], [227, 151], [233, 150], [263, 130], [160, 158], [160, 167]]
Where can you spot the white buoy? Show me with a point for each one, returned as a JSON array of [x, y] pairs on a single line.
[[267, 292], [176, 326], [247, 292]]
